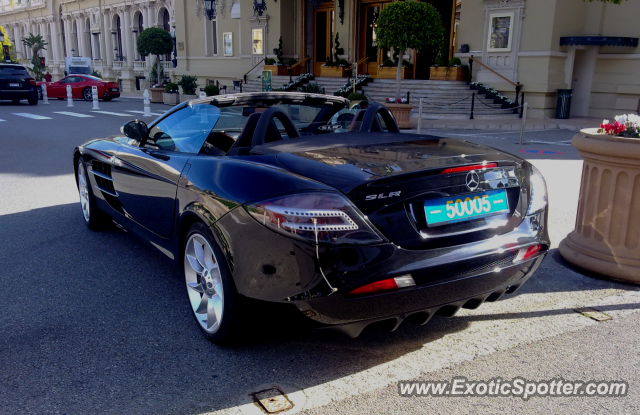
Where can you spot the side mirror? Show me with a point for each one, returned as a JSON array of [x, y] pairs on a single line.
[[136, 130]]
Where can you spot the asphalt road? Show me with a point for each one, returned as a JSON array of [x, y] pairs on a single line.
[[96, 322]]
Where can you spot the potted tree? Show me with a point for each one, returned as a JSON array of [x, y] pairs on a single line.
[[211, 90], [36, 43], [277, 67], [408, 25], [454, 71], [170, 96], [189, 84], [336, 67], [155, 41]]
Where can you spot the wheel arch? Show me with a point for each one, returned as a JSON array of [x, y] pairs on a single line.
[[76, 158]]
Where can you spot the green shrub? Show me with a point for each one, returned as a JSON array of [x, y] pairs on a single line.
[[292, 62], [406, 63], [189, 84], [211, 90], [356, 96], [388, 63], [454, 62], [270, 61], [97, 74], [279, 54], [312, 87], [171, 88], [343, 62], [444, 54], [329, 62]]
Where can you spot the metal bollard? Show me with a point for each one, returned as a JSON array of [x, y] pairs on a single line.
[[473, 102], [45, 97], [69, 96], [147, 107], [524, 120], [94, 94], [420, 117]]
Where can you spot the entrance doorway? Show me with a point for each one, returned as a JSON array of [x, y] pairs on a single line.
[[368, 44], [323, 33], [583, 68]]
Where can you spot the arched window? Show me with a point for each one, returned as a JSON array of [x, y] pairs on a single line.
[[139, 26], [166, 26], [118, 48]]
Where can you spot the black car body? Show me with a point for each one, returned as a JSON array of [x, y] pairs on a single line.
[[16, 84], [375, 256]]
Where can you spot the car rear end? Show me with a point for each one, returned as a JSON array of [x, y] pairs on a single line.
[[420, 228], [17, 84], [111, 90]]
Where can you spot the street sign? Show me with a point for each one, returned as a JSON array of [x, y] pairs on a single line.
[[42, 61], [266, 81]]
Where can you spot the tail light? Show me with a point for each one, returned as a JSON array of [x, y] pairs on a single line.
[[32, 81], [384, 285], [316, 217], [527, 253], [484, 165]]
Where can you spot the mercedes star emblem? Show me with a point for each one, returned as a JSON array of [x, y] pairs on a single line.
[[473, 180]]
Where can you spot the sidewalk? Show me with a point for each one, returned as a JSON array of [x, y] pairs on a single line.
[[133, 95], [508, 124]]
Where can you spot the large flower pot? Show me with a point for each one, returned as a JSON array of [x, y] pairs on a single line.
[[606, 239], [156, 94], [390, 72], [170, 99], [281, 70], [334, 71], [402, 114], [187, 97], [442, 73]]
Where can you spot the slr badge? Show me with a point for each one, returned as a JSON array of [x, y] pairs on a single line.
[[382, 196]]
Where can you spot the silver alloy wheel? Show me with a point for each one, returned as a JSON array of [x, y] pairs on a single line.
[[87, 94], [204, 283], [84, 192]]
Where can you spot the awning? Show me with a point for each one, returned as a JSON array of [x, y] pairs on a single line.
[[599, 41]]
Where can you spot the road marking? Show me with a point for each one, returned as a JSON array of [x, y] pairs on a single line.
[[142, 112], [113, 113], [73, 114], [540, 151], [32, 116], [2, 120]]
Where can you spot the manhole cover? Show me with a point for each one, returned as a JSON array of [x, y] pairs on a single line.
[[593, 314], [272, 400]]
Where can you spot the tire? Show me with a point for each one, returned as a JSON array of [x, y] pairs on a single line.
[[93, 217], [207, 276], [87, 95], [33, 101], [107, 99]]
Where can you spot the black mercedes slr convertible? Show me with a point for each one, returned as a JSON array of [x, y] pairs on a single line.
[[305, 200]]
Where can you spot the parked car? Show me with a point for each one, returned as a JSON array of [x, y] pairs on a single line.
[[267, 196], [16, 84], [80, 88]]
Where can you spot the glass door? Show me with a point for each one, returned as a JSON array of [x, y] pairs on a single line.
[[323, 20], [370, 47]]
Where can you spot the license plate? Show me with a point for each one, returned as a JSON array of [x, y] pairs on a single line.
[[16, 85], [114, 89], [467, 207]]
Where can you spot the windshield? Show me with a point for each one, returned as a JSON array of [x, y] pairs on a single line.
[[14, 70], [93, 78], [79, 70]]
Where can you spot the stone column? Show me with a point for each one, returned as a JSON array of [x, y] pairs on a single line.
[[80, 35], [607, 235], [94, 46], [126, 31], [67, 35], [106, 38]]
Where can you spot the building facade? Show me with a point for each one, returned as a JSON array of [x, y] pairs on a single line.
[[544, 45]]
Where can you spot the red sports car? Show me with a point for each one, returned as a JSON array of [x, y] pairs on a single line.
[[80, 88]]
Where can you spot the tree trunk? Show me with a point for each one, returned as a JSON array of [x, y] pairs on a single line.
[[158, 82], [399, 74]]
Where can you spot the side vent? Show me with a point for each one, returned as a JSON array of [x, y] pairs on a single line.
[[104, 182]]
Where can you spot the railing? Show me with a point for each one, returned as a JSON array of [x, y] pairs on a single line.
[[302, 62], [139, 65], [361, 61], [254, 67], [117, 64], [166, 64], [517, 85]]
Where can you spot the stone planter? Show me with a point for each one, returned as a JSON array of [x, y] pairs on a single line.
[[442, 73], [334, 71], [402, 114], [390, 72], [280, 70], [606, 239], [170, 99], [156, 94], [185, 97]]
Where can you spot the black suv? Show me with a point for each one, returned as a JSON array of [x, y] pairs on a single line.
[[17, 84]]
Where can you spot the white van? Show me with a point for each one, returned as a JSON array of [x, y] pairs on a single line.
[[77, 66]]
